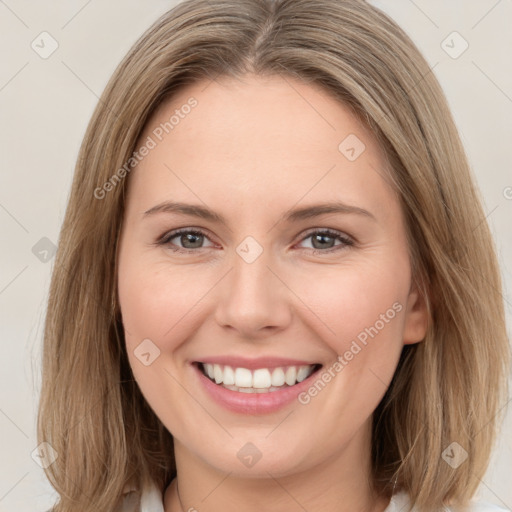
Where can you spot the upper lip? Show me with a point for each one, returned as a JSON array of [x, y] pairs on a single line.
[[254, 363]]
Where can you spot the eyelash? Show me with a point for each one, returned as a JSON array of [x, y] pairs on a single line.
[[346, 241]]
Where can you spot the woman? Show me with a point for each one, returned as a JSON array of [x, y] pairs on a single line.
[[274, 289]]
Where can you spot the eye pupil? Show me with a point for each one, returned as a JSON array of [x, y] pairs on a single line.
[[321, 237], [191, 237]]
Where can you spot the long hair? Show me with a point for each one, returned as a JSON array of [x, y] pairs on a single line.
[[447, 389]]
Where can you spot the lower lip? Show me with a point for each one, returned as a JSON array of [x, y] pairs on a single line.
[[253, 403]]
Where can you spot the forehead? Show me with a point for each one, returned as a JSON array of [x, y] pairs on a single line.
[[273, 138], [280, 112]]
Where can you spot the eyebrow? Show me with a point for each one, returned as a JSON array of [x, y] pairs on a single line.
[[295, 215]]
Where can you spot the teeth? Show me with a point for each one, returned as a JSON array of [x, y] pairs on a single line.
[[261, 379], [258, 381], [243, 378], [278, 378], [229, 376], [291, 376], [218, 374], [302, 373]]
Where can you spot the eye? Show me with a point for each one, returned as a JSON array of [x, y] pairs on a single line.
[[190, 239], [324, 240]]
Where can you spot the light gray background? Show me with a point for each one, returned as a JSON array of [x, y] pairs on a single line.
[[45, 105]]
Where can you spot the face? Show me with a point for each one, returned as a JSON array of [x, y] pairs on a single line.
[[262, 242]]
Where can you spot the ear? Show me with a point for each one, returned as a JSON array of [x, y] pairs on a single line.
[[416, 318]]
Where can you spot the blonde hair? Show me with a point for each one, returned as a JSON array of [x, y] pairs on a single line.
[[448, 388]]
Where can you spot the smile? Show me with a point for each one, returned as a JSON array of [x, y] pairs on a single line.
[[260, 380], [261, 385]]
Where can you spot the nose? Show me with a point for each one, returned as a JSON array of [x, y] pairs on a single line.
[[253, 300]]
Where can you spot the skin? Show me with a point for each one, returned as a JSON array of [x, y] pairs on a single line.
[[252, 149]]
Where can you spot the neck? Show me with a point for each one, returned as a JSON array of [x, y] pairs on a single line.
[[338, 483]]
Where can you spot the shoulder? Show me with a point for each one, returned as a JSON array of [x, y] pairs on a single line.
[[149, 499]]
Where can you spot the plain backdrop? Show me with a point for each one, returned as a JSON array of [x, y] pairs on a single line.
[[46, 103]]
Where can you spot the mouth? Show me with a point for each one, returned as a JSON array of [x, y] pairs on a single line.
[[259, 380]]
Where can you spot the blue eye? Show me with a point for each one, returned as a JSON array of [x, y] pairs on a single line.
[[192, 239]]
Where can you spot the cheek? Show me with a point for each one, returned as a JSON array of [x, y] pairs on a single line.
[[158, 305], [357, 303], [362, 309], [362, 314], [158, 302]]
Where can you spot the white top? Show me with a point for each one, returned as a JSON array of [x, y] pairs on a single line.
[[151, 500]]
